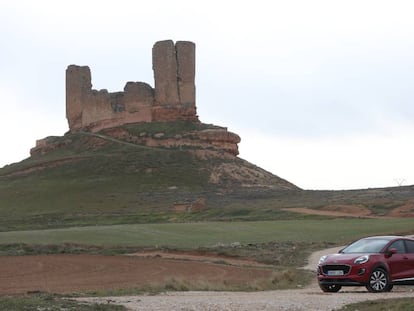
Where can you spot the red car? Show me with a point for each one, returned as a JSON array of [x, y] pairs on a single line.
[[377, 262]]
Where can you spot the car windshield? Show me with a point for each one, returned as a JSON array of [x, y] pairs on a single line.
[[366, 246]]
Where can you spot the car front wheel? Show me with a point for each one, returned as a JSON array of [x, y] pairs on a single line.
[[330, 288], [378, 281]]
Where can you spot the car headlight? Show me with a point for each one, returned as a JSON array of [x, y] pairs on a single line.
[[361, 260], [322, 259]]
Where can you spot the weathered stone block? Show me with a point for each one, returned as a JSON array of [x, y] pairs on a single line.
[[186, 72], [164, 64], [138, 96], [78, 86], [96, 108]]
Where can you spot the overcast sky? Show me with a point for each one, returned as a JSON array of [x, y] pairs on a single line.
[[321, 92]]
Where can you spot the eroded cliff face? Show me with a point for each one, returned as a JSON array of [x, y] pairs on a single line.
[[203, 140], [215, 139], [172, 99]]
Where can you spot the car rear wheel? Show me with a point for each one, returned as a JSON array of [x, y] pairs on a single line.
[[330, 288], [378, 281]]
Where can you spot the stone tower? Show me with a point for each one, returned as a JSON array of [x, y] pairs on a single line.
[[78, 86], [174, 75], [174, 72]]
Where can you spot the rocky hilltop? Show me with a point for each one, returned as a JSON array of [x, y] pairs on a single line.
[[136, 156]]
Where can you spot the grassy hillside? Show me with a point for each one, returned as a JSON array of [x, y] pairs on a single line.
[[94, 179]]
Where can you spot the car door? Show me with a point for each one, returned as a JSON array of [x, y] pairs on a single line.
[[409, 245], [398, 263]]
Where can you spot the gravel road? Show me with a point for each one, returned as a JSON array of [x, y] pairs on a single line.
[[310, 298]]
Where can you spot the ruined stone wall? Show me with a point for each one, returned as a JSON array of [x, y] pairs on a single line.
[[172, 98]]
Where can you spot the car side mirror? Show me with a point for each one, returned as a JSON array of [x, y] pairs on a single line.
[[391, 252]]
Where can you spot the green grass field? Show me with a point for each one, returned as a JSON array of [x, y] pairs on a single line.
[[209, 234]]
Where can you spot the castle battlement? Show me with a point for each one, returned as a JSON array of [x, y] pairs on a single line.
[[172, 98]]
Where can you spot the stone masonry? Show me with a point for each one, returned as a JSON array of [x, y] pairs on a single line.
[[172, 98]]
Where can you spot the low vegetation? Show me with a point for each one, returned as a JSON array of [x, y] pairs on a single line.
[[399, 304], [169, 129], [52, 303], [210, 234]]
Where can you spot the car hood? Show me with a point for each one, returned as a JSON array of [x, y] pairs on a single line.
[[342, 258]]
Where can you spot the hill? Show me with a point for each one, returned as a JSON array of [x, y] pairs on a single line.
[[86, 178], [93, 178]]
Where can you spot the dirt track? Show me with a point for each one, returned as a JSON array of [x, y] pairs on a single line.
[[309, 299], [354, 211]]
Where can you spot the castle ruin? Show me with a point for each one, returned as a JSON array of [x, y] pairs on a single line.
[[172, 98]]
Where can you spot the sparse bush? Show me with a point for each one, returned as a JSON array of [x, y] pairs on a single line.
[[51, 303], [398, 304]]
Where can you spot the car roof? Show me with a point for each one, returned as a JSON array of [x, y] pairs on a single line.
[[384, 237], [388, 237]]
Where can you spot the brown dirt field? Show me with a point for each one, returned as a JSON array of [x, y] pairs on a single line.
[[341, 211], [201, 257], [333, 213], [74, 273], [357, 210], [407, 210]]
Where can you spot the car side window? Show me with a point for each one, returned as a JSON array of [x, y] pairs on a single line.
[[410, 246], [399, 246]]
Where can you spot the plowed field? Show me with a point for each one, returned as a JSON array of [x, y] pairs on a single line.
[[72, 273]]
